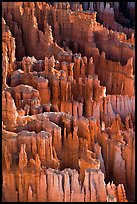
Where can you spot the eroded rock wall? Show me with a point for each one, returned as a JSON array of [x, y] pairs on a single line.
[[68, 113]]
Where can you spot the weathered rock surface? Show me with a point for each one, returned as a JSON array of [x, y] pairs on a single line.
[[65, 187], [68, 102]]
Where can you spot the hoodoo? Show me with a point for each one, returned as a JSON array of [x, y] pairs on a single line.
[[68, 101]]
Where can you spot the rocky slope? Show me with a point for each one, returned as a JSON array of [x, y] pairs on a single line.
[[68, 103]]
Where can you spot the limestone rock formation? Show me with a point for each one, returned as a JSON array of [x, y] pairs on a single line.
[[68, 102]]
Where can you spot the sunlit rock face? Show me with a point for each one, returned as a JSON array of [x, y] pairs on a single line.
[[68, 101]]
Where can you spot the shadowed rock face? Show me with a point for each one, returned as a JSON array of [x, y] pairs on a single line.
[[68, 102]]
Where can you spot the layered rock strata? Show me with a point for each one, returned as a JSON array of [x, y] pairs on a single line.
[[68, 107]]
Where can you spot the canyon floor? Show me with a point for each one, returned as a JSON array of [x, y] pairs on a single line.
[[68, 101]]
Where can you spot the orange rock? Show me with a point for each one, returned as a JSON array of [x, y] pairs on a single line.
[[64, 138]]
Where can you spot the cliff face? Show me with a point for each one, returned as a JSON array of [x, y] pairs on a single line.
[[9, 110], [69, 88], [68, 113], [8, 53], [19, 16], [68, 25], [82, 145], [118, 16], [64, 185], [28, 153]]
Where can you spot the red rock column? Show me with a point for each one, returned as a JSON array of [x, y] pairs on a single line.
[[55, 89], [71, 69], [23, 161], [44, 91], [9, 112], [75, 108], [41, 143], [46, 64], [30, 199], [85, 60], [88, 108], [26, 65], [83, 68], [80, 109], [80, 90], [77, 59], [7, 157], [18, 99], [91, 67], [88, 88], [64, 67], [57, 140], [5, 63], [51, 63], [70, 96], [63, 89]]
